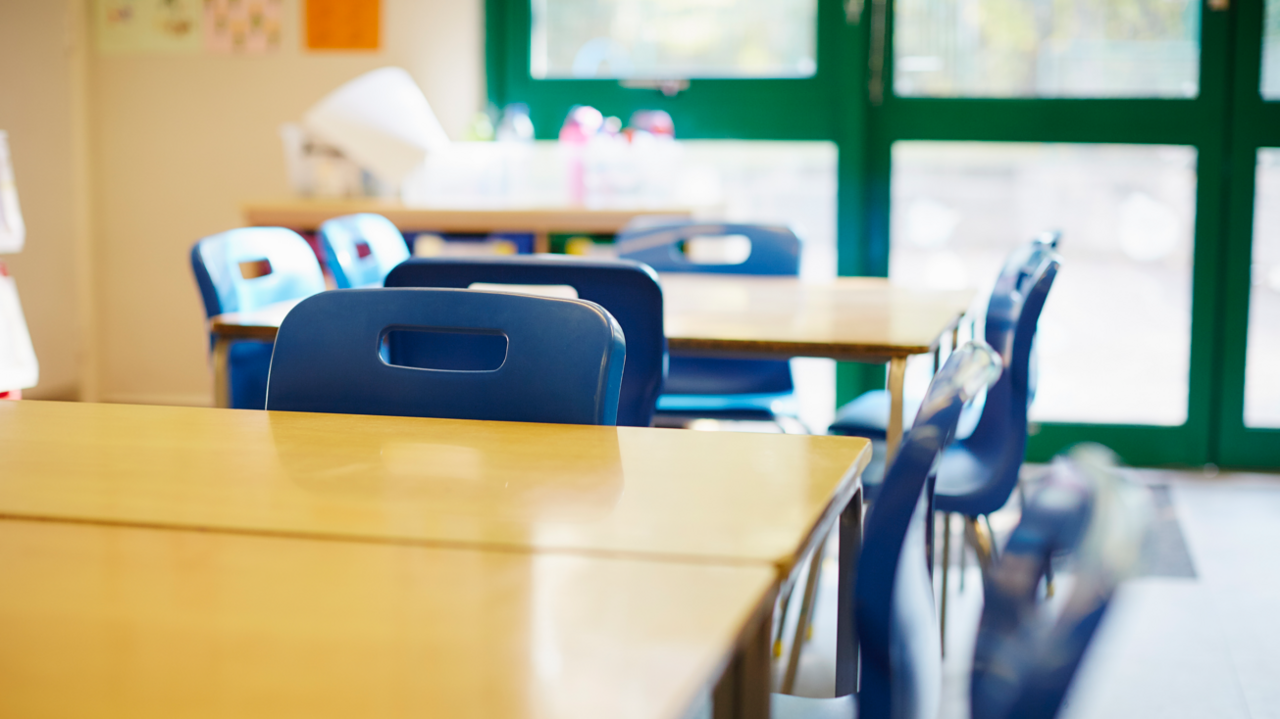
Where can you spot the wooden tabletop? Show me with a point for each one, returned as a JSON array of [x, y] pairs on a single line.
[[722, 497], [113, 621], [850, 318], [308, 214]]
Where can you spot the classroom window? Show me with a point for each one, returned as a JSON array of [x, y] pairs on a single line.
[[1262, 381], [1032, 48], [673, 39], [1114, 339], [1271, 52]]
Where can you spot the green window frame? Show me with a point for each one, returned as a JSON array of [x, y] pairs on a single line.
[[849, 101]]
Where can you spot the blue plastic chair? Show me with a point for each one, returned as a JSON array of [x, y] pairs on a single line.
[[563, 361], [713, 387], [868, 414], [977, 475], [896, 622], [1025, 658], [246, 269], [361, 249], [627, 290]]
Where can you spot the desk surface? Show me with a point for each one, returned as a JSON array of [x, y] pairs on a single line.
[[130, 622], [307, 216], [722, 497], [852, 318], [849, 318]]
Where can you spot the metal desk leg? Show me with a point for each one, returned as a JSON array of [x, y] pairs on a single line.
[[846, 628], [893, 434], [743, 689], [221, 382]]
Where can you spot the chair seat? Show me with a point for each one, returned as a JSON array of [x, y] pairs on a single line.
[[963, 479], [868, 415], [730, 406], [785, 706]]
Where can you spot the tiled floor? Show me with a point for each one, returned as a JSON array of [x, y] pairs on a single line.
[[1197, 638]]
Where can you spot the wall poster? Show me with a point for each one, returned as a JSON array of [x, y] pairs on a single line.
[[344, 24]]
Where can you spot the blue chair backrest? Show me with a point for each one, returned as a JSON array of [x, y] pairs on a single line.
[[563, 362], [774, 250], [1025, 657], [362, 249], [1000, 437], [627, 290], [893, 592], [248, 268]]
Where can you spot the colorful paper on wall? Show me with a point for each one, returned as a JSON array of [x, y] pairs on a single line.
[[18, 367], [248, 27], [140, 27], [344, 24], [13, 231]]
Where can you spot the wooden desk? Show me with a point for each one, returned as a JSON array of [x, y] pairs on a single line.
[[308, 215], [112, 621], [703, 498], [860, 319], [730, 498]]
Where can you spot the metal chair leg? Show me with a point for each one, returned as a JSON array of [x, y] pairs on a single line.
[[784, 605], [806, 617], [980, 541], [946, 566], [991, 535]]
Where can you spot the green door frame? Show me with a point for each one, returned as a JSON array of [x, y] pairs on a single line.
[[836, 107], [769, 109], [1254, 124], [1195, 122]]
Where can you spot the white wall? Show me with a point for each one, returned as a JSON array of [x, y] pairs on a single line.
[[41, 100], [175, 144]]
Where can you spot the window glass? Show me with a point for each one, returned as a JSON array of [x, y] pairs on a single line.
[[1047, 48], [1271, 52], [1114, 339], [673, 39], [1262, 380]]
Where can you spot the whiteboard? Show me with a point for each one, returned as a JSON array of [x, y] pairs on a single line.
[[18, 367], [12, 230]]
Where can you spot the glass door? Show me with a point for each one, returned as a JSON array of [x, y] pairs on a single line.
[[736, 69], [1249, 434], [1102, 119]]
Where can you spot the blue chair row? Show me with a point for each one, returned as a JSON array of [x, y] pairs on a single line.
[[1024, 661], [980, 472], [362, 251], [893, 592]]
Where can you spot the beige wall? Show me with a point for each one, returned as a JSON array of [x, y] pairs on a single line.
[[41, 97], [175, 145], [181, 141]]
